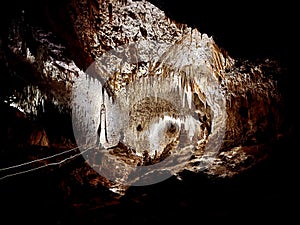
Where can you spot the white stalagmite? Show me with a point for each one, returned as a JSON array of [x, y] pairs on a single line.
[[164, 87], [154, 112]]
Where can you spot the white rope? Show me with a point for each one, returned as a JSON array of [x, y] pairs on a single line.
[[37, 160], [46, 165]]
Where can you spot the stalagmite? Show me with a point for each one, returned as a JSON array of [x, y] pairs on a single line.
[[148, 91]]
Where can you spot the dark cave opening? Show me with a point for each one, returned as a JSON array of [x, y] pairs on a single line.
[[248, 29]]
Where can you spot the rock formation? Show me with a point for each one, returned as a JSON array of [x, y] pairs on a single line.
[[172, 96]]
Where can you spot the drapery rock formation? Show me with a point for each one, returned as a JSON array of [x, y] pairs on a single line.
[[226, 114]]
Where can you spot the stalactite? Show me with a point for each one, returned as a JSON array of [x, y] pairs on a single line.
[[140, 54]]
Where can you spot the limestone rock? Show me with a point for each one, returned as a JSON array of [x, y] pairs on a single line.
[[236, 102]]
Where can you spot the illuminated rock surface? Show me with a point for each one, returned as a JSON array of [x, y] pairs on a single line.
[[173, 106]]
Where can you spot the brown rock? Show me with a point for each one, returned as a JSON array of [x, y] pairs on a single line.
[[38, 137]]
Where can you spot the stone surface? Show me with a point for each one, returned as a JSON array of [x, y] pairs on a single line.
[[45, 60], [252, 101]]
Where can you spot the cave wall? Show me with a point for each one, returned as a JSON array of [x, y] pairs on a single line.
[[44, 44]]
